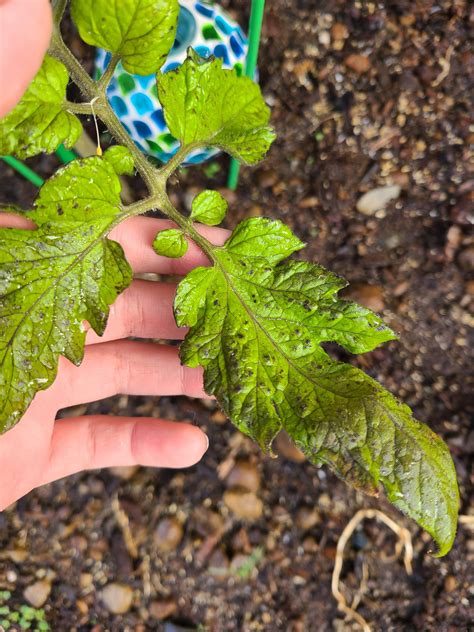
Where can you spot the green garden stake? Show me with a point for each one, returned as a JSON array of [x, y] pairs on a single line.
[[65, 155], [22, 169], [255, 29]]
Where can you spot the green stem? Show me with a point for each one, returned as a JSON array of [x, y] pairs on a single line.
[[154, 178], [61, 52], [101, 108], [175, 161], [78, 108], [58, 10], [187, 227], [108, 74], [151, 176]]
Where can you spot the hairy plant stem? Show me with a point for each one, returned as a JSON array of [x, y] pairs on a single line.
[[108, 74], [155, 178], [78, 108], [58, 10]]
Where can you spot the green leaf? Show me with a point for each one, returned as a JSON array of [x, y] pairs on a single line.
[[257, 329], [121, 160], [170, 243], [55, 277], [40, 121], [205, 105], [209, 207], [141, 32], [262, 237]]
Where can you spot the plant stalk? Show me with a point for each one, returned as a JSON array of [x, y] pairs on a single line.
[[154, 178], [108, 74]]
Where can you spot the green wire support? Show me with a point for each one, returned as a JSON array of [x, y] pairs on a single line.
[[255, 29], [25, 171]]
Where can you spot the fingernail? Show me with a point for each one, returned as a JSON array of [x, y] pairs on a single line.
[[207, 440]]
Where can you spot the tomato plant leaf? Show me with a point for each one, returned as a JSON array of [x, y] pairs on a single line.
[[257, 328], [209, 207], [142, 32], [121, 160], [170, 243], [40, 122], [205, 105], [55, 277]]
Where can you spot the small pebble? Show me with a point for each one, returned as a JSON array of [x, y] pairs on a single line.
[[306, 518], [466, 258], [339, 31], [310, 545], [117, 598], [450, 583], [163, 609], [218, 562], [244, 474], [370, 296], [82, 606], [168, 534], [11, 576], [85, 580], [17, 555], [218, 417], [377, 199], [125, 472], [285, 447], [358, 63], [243, 504], [37, 594]]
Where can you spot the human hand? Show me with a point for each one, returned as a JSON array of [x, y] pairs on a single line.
[[25, 30], [39, 449]]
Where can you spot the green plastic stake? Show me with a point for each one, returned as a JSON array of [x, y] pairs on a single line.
[[255, 29], [65, 155], [25, 171]]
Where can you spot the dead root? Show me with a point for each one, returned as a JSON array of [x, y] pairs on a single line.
[[404, 545]]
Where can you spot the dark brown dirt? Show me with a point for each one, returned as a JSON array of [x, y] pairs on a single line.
[[363, 94]]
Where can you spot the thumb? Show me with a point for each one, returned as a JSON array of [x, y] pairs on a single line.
[[25, 31]]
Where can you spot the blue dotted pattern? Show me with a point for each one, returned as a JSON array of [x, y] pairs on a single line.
[[134, 98]]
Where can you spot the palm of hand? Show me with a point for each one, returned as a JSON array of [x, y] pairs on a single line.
[[39, 449]]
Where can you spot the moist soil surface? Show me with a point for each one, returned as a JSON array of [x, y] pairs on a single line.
[[363, 95]]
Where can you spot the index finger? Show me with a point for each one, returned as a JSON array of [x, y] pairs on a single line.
[[136, 236]]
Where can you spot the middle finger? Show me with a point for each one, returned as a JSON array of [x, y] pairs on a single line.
[[143, 310]]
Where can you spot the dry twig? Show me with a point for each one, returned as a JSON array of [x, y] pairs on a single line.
[[404, 543], [124, 524], [445, 64]]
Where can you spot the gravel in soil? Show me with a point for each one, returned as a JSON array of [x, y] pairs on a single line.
[[365, 96]]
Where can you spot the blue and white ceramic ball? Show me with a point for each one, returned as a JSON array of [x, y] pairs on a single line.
[[210, 31]]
